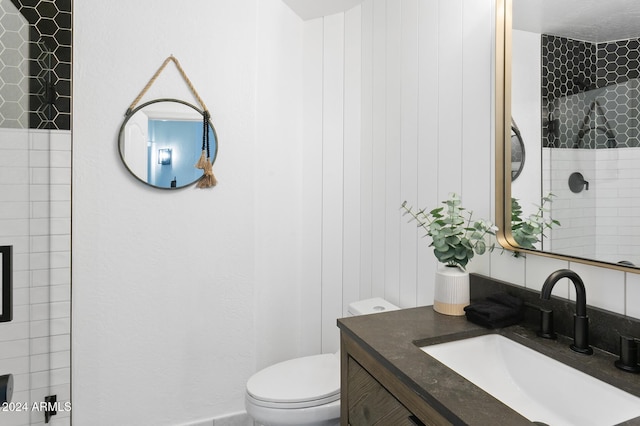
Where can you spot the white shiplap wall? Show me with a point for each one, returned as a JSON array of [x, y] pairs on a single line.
[[396, 91], [398, 106]]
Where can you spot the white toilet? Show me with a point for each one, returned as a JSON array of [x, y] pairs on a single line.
[[303, 391]]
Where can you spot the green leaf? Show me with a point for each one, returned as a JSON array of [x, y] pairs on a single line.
[[481, 247]]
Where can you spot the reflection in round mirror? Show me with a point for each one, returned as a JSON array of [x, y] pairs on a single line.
[[517, 151], [161, 141]]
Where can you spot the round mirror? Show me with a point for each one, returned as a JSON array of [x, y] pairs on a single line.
[[517, 151], [161, 141]]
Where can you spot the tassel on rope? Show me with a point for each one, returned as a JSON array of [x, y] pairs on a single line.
[[208, 179], [202, 161], [201, 164]]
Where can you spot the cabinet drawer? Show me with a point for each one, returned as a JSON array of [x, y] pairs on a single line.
[[371, 404]]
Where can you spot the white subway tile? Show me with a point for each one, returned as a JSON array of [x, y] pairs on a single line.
[[633, 295], [60, 309], [40, 226], [40, 176], [13, 349], [20, 243], [60, 176], [13, 138], [60, 159], [39, 159], [21, 296], [40, 243], [60, 243], [506, 267], [59, 326], [60, 293], [63, 418], [604, 287], [61, 360], [14, 158], [38, 192], [63, 390], [60, 376], [60, 140], [20, 261], [19, 365], [39, 311], [39, 328], [60, 193], [60, 226], [39, 261], [538, 268], [39, 345], [39, 379], [39, 140], [60, 209], [20, 279], [39, 294], [21, 313], [14, 193], [60, 276], [40, 278], [60, 343], [20, 384], [13, 175], [39, 362], [40, 210], [12, 331], [60, 259]]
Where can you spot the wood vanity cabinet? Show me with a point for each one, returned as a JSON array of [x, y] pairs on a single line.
[[373, 395]]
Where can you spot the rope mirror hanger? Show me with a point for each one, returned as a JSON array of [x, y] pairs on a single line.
[[208, 179]]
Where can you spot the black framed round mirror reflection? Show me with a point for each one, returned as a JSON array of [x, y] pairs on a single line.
[[517, 151], [160, 141]]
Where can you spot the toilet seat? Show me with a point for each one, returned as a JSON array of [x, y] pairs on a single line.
[[297, 383]]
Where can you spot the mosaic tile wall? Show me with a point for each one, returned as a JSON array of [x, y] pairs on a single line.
[[590, 93], [14, 66], [43, 85]]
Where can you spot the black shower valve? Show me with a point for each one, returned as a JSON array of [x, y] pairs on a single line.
[[6, 388]]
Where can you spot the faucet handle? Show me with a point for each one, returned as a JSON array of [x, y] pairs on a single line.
[[628, 355], [546, 324]]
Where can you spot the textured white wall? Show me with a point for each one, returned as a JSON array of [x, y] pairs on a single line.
[[180, 296]]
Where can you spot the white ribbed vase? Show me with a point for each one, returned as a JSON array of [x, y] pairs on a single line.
[[451, 290]]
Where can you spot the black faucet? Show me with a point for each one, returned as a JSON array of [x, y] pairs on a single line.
[[580, 319]]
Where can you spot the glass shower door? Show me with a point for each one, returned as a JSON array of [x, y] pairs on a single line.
[[35, 212]]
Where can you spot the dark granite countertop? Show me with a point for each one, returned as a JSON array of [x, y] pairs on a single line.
[[394, 339]]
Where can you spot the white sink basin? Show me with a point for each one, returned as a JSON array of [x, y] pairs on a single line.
[[535, 385]]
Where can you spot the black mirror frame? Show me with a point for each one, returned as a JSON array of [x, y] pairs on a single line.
[[130, 114]]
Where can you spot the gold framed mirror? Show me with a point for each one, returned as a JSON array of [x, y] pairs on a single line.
[[574, 85]]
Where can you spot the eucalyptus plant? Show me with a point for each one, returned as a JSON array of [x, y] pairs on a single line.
[[455, 237], [530, 231]]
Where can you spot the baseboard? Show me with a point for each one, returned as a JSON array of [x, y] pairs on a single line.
[[235, 419]]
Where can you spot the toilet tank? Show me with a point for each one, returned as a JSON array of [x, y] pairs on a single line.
[[370, 306]]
